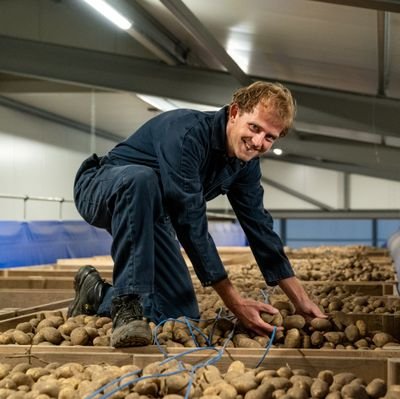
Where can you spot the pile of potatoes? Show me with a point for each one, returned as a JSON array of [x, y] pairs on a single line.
[[331, 250], [338, 332], [52, 328], [171, 380], [354, 268]]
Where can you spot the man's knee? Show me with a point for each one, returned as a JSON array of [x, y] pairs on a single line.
[[141, 177]]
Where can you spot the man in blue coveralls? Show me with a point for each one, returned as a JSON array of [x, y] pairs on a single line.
[[151, 190]]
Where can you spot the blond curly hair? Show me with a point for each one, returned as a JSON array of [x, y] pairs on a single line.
[[274, 96]]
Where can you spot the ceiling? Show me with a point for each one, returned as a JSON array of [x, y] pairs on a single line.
[[61, 60]]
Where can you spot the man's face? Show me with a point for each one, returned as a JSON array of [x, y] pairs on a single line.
[[250, 134]]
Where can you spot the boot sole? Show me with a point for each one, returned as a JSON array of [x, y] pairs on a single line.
[[78, 281], [135, 333]]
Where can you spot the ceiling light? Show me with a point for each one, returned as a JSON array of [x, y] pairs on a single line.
[[157, 102], [277, 151], [168, 104], [110, 13]]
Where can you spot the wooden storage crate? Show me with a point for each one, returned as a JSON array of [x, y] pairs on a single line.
[[366, 366]]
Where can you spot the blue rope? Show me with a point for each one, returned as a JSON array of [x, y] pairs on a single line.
[[267, 348]]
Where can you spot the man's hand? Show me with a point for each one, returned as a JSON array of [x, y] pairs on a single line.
[[246, 310], [301, 301], [309, 310]]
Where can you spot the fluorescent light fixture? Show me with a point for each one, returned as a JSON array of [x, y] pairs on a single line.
[[157, 102], [341, 133], [110, 13], [167, 104], [277, 151]]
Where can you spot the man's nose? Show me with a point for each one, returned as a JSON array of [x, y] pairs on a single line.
[[257, 140]]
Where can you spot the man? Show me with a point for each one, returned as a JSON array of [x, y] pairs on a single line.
[[153, 187]]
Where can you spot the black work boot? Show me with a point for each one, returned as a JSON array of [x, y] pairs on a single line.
[[129, 326], [89, 292]]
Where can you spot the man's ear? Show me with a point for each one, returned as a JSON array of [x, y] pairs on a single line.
[[233, 111]]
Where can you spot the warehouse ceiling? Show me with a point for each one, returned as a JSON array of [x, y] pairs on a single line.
[[61, 60]]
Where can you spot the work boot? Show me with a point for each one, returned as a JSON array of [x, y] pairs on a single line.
[[129, 326], [89, 292]]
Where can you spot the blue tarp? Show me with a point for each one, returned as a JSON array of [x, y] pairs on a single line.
[[43, 242]]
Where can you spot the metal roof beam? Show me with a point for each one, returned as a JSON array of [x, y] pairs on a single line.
[[55, 118], [382, 5], [383, 51], [199, 32], [296, 194], [337, 166], [317, 105]]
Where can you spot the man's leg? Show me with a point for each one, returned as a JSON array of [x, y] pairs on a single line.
[[125, 200], [173, 288]]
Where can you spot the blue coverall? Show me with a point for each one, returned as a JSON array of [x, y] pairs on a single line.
[[151, 190]]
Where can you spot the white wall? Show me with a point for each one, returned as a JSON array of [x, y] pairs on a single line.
[[40, 158]]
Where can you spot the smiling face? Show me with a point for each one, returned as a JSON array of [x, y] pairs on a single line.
[[251, 134]]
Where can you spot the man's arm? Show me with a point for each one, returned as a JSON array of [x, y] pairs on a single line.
[[295, 292], [246, 310]]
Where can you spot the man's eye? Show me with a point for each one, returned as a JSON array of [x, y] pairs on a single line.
[[254, 128], [270, 138]]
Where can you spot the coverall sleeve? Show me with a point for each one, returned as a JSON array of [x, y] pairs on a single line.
[[180, 157], [246, 198]]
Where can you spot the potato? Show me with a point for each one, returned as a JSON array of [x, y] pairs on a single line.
[[79, 336], [5, 393], [303, 381], [361, 343], [25, 327], [52, 335], [21, 338], [343, 378], [335, 337], [297, 393], [68, 370], [221, 389], [21, 378], [376, 388], [146, 387], [19, 395], [67, 327], [102, 341], [264, 391], [6, 338], [317, 338], [68, 393], [176, 383], [320, 324], [8, 383], [273, 319], [243, 341], [380, 339], [326, 375], [295, 321], [352, 333], [284, 372], [293, 339], [354, 390], [244, 382], [5, 368], [334, 395], [36, 372], [48, 387], [263, 341], [319, 389], [278, 382]]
